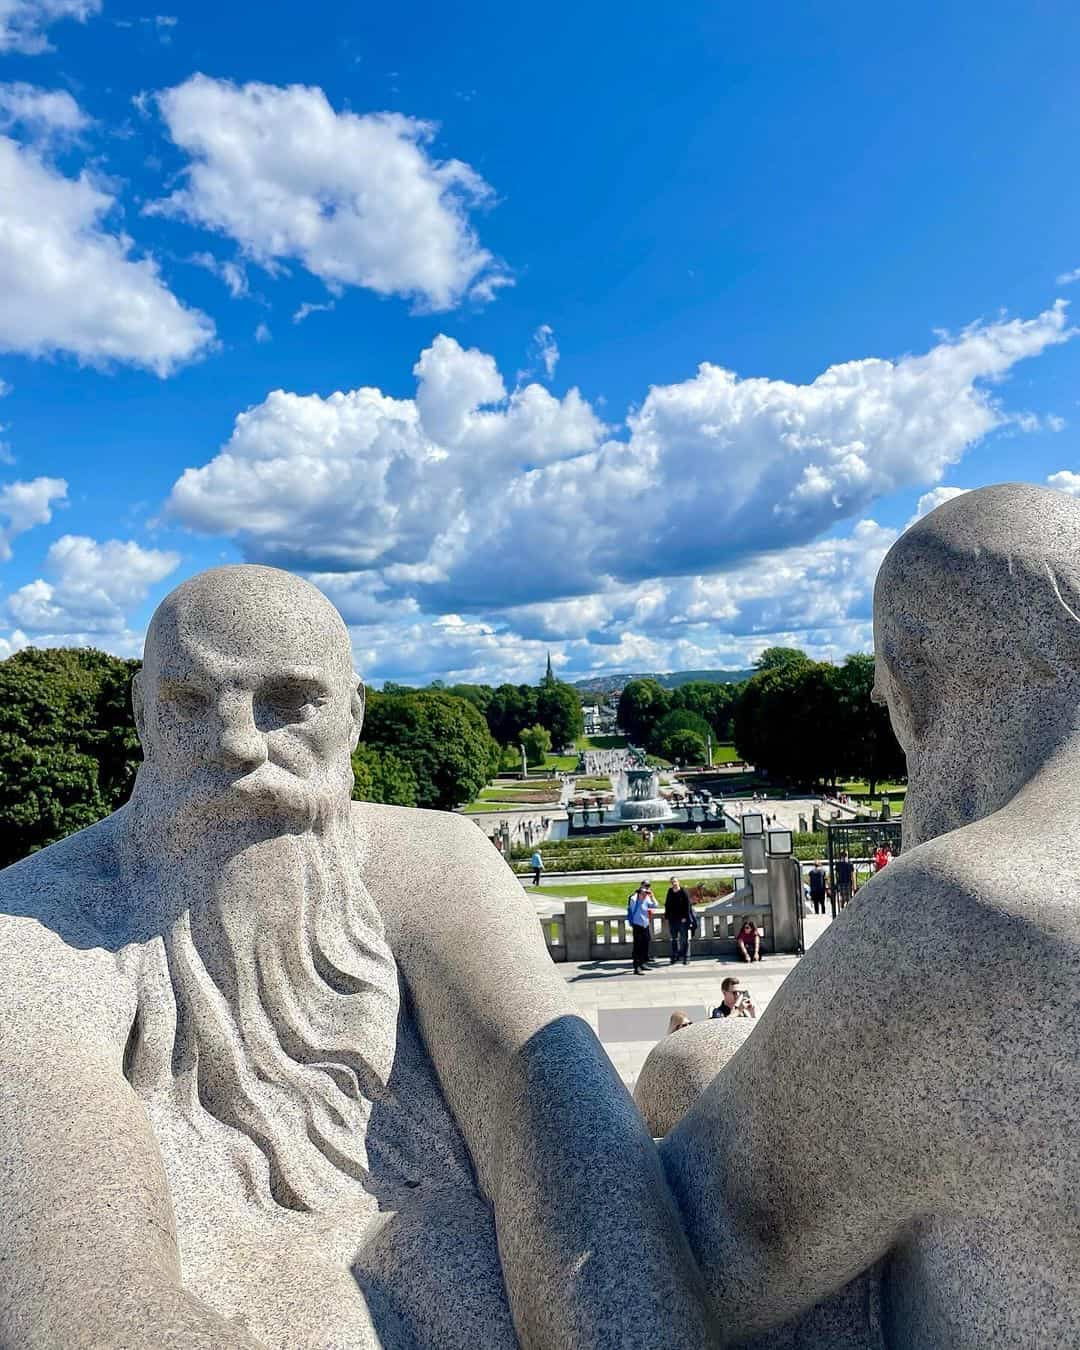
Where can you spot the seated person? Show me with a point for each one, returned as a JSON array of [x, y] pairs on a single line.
[[734, 1001], [677, 1021], [748, 941]]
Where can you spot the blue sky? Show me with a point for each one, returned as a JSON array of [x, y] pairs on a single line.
[[629, 332]]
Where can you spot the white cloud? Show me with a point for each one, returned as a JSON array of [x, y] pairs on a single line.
[[470, 500], [263, 333], [1065, 481], [546, 349], [68, 285], [42, 112], [1067, 278], [930, 501], [307, 309], [22, 22], [93, 584], [24, 505], [231, 273], [358, 200]]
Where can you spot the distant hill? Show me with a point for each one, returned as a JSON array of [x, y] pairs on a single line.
[[614, 684]]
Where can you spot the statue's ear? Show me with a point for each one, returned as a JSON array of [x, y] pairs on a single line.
[[357, 710], [138, 707]]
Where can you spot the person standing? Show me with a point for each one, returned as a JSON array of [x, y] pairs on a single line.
[[816, 879], [537, 865], [639, 910], [845, 877], [677, 914]]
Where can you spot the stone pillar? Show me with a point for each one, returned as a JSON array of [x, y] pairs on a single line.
[[783, 896], [753, 852], [576, 929], [802, 824]]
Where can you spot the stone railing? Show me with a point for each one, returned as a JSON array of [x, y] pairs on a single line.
[[577, 935]]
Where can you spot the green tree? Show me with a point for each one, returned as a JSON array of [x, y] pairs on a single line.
[[642, 703], [774, 657], [713, 701], [558, 708], [382, 776], [537, 743], [871, 750], [685, 747], [69, 748], [443, 740], [511, 709], [672, 725]]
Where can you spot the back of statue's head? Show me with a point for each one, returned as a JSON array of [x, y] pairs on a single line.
[[980, 601]]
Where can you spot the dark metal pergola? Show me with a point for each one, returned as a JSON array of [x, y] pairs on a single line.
[[858, 841]]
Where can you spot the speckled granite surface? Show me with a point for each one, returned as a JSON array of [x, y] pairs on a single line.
[[892, 1158]]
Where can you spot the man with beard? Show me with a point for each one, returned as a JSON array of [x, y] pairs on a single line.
[[907, 1106], [280, 1069]]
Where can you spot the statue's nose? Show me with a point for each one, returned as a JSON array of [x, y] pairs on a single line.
[[239, 743]]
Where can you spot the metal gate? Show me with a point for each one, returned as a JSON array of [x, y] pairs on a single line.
[[855, 842]]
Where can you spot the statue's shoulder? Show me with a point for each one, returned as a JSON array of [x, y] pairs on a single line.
[[409, 835], [59, 886]]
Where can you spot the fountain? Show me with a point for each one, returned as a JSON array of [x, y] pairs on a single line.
[[637, 797]]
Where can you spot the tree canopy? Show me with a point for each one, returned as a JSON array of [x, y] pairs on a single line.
[[442, 739], [68, 748]]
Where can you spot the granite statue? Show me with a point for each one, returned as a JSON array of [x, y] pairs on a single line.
[[891, 1158], [281, 1069]]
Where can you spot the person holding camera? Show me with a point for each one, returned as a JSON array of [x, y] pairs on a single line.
[[735, 1002]]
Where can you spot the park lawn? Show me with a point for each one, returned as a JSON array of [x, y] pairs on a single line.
[[725, 754], [857, 788], [616, 893], [560, 763], [600, 743], [592, 784]]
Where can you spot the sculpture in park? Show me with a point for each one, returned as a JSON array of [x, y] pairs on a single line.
[[280, 1069], [892, 1157]]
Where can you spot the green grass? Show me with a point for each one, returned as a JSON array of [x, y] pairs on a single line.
[[560, 763], [857, 788], [614, 893], [600, 743], [725, 754], [592, 785]]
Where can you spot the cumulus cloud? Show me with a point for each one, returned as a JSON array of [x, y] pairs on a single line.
[[358, 200], [470, 499], [930, 501], [24, 505], [23, 22], [43, 113], [1065, 481], [92, 586], [69, 285]]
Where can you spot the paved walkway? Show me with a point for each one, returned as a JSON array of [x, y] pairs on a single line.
[[630, 1013]]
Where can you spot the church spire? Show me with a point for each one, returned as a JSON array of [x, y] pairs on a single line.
[[549, 674]]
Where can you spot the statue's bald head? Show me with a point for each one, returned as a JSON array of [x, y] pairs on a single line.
[[247, 667], [976, 604]]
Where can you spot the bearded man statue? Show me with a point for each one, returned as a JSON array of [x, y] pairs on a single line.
[[281, 1069]]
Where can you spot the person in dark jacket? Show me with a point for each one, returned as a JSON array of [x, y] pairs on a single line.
[[678, 916]]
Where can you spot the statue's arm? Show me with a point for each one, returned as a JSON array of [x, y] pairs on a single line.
[[591, 1246], [817, 1143], [88, 1254]]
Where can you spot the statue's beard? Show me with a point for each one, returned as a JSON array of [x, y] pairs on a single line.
[[285, 991]]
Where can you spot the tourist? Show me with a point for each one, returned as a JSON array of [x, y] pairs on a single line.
[[882, 857], [748, 941], [537, 865], [679, 916], [845, 877], [735, 1002], [677, 1021], [639, 911], [816, 879]]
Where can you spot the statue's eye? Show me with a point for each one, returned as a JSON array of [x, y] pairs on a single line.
[[290, 701], [184, 701]]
